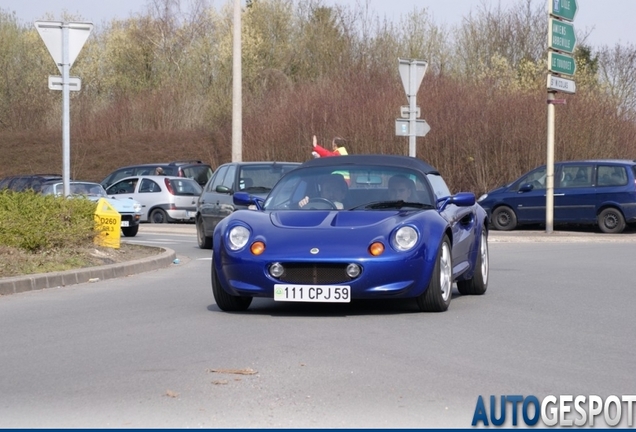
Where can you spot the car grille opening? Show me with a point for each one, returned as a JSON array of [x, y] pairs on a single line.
[[318, 274]]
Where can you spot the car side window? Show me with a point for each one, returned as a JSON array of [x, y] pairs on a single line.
[[577, 176], [536, 178], [228, 181], [218, 178], [148, 186], [123, 187], [612, 175]]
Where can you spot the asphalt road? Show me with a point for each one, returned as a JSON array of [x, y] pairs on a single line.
[[152, 350]]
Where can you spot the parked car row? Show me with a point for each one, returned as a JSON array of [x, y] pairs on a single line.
[[196, 170]]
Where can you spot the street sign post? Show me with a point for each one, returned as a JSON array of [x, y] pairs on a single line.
[[564, 9], [411, 72], [561, 42], [561, 36], [561, 63], [64, 40]]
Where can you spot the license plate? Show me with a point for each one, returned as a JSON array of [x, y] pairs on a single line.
[[312, 293], [124, 223]]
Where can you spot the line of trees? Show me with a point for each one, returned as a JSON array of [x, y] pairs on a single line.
[[158, 86]]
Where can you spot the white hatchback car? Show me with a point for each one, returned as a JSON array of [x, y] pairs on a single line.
[[163, 198]]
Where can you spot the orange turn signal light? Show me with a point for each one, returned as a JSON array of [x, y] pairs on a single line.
[[257, 248], [376, 249]]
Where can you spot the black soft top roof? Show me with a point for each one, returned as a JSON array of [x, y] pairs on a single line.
[[373, 159]]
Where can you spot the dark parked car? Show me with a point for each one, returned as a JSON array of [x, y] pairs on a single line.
[[586, 192], [19, 183], [196, 170], [393, 231], [216, 201]]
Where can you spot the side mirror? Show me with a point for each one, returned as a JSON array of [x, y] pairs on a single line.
[[460, 199], [526, 187]]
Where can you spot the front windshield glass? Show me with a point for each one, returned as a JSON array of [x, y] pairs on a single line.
[[76, 188], [349, 187]]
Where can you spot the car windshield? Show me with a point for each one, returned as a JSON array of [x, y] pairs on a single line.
[[262, 178], [87, 189], [349, 187]]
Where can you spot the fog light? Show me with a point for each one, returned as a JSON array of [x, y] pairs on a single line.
[[276, 270], [353, 270]]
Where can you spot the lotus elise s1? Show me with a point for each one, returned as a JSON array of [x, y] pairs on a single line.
[[353, 227]]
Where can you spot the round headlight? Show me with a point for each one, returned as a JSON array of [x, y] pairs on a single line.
[[238, 237], [405, 238], [137, 207]]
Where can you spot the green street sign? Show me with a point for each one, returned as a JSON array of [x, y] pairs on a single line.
[[561, 63], [561, 36], [564, 9]]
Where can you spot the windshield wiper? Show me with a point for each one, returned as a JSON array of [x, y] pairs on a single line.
[[379, 205]]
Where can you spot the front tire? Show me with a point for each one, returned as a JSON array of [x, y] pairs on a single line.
[[227, 302], [611, 221], [158, 216], [478, 284], [504, 219], [130, 231], [204, 242], [437, 296]]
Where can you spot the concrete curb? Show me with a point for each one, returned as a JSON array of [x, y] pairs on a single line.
[[18, 284]]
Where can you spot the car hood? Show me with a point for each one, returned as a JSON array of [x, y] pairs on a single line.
[[124, 205], [334, 218]]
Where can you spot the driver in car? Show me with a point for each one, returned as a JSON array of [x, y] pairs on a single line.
[[333, 188]]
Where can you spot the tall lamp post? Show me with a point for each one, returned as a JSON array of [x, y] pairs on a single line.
[[237, 107]]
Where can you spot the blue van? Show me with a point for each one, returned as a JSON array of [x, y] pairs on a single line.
[[590, 192]]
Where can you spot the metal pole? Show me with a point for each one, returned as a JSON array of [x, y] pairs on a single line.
[[412, 107], [549, 190], [237, 108], [66, 122]]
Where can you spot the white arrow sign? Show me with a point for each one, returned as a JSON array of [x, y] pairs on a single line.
[[51, 34]]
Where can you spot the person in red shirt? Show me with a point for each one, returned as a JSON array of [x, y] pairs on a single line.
[[337, 145]]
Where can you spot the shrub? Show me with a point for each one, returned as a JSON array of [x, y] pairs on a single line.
[[36, 222]]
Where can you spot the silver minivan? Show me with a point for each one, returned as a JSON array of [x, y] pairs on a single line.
[[163, 198]]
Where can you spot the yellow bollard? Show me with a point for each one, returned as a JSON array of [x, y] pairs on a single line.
[[107, 224]]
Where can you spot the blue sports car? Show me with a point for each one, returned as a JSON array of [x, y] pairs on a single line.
[[337, 229]]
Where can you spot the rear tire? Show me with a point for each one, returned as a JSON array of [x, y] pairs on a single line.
[[437, 296], [611, 221], [158, 216], [504, 219], [130, 231], [478, 284], [227, 302], [204, 242]]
